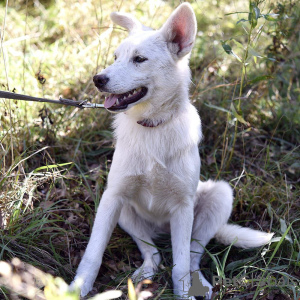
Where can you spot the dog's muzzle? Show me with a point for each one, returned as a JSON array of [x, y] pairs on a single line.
[[118, 102]]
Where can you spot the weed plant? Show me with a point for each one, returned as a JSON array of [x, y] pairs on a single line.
[[54, 160]]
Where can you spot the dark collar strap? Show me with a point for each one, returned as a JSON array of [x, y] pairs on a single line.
[[149, 123]]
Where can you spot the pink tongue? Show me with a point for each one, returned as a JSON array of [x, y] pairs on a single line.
[[110, 100]]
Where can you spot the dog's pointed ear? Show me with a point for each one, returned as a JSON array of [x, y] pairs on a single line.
[[128, 22], [180, 30]]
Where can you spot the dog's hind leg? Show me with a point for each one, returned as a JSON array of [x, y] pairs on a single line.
[[142, 233], [212, 209]]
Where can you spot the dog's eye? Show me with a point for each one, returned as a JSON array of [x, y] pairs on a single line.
[[115, 57], [139, 59]]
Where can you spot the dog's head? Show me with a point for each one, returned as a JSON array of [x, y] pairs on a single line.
[[150, 66]]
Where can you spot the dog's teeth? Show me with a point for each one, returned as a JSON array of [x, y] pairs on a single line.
[[137, 90]]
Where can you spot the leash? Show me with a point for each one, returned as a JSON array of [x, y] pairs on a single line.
[[68, 102]]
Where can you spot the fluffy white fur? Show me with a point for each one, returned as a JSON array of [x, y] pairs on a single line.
[[153, 184]]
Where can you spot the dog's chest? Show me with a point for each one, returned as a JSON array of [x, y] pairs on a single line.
[[155, 193], [156, 169]]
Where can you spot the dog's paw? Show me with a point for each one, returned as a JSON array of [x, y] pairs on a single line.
[[201, 285], [83, 284], [85, 289], [208, 295], [143, 273]]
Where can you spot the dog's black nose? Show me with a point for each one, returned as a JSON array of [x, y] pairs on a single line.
[[100, 80]]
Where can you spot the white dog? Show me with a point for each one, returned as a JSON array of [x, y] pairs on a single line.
[[153, 185]]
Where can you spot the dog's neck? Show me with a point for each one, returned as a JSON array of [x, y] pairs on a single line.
[[152, 115]]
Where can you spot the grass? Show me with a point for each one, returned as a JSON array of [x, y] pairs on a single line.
[[54, 160]]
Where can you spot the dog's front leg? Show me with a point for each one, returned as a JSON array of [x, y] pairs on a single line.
[[181, 231], [106, 219]]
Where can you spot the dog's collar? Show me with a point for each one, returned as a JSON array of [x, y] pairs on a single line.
[[150, 123]]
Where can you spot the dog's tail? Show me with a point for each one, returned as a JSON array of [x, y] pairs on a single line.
[[214, 199], [242, 237]]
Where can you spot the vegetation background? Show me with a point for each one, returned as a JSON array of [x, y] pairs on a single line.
[[54, 160]]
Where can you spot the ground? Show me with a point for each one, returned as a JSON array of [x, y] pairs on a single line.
[[54, 160]]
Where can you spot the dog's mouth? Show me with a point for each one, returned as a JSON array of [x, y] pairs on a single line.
[[115, 102]]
